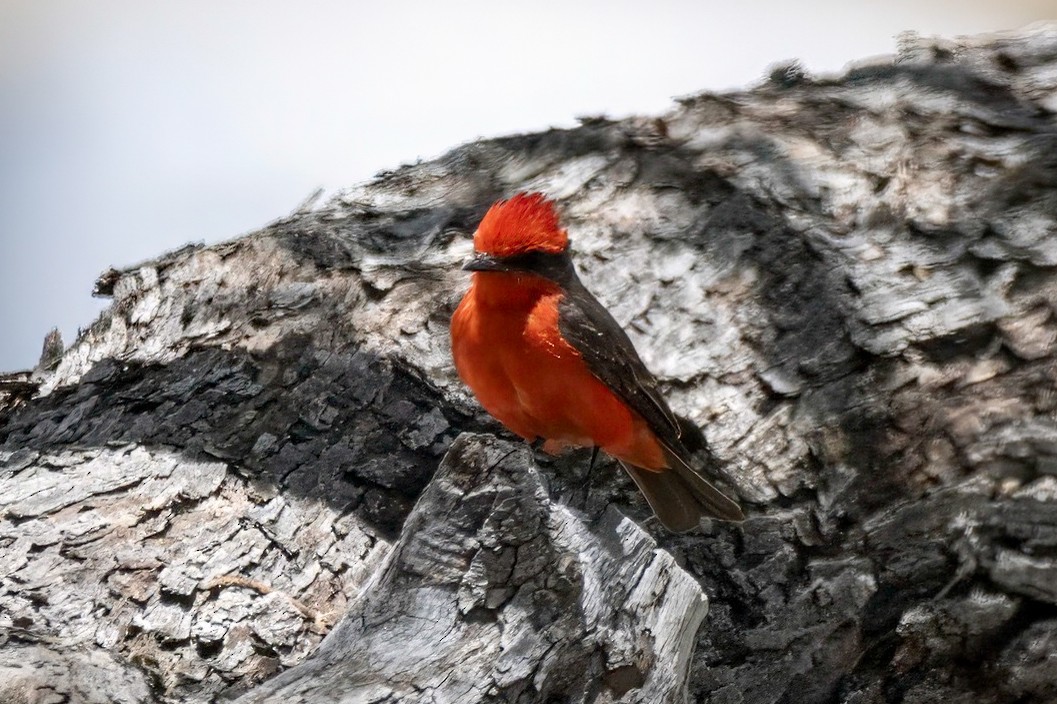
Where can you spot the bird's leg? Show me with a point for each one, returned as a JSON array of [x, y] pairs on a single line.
[[539, 455], [589, 476]]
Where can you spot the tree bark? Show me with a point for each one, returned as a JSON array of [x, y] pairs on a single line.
[[257, 476]]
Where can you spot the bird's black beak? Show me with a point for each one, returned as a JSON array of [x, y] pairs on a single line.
[[485, 262]]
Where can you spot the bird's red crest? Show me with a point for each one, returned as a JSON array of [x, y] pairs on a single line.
[[525, 223]]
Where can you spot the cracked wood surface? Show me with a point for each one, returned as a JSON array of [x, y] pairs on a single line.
[[496, 593], [849, 283]]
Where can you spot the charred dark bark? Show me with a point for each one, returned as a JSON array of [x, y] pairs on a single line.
[[849, 283]]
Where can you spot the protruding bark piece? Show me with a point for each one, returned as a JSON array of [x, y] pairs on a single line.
[[496, 593], [52, 351]]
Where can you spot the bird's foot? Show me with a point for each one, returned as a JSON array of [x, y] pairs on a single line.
[[540, 455]]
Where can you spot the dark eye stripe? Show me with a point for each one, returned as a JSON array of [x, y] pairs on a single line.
[[556, 267]]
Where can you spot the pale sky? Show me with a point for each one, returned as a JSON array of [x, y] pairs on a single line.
[[130, 127]]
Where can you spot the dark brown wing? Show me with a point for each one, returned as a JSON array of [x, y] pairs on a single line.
[[680, 496], [609, 354]]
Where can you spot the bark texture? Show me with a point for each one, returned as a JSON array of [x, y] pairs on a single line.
[[259, 453]]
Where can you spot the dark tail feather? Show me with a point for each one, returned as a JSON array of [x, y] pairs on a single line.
[[681, 497], [713, 501]]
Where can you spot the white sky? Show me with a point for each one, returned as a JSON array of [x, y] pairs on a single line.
[[129, 127]]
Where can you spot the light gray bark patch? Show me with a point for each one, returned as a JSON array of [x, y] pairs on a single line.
[[529, 600]]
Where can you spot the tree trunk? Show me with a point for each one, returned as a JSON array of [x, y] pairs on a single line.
[[256, 474]]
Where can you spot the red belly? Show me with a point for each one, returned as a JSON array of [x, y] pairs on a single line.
[[530, 379]]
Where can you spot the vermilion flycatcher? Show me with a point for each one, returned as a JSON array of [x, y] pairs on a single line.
[[549, 362]]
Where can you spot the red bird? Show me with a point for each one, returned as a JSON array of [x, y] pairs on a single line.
[[549, 362]]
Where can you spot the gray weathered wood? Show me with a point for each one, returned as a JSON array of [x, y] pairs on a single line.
[[496, 593]]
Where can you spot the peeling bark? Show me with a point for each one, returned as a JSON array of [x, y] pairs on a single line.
[[250, 476], [496, 593]]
